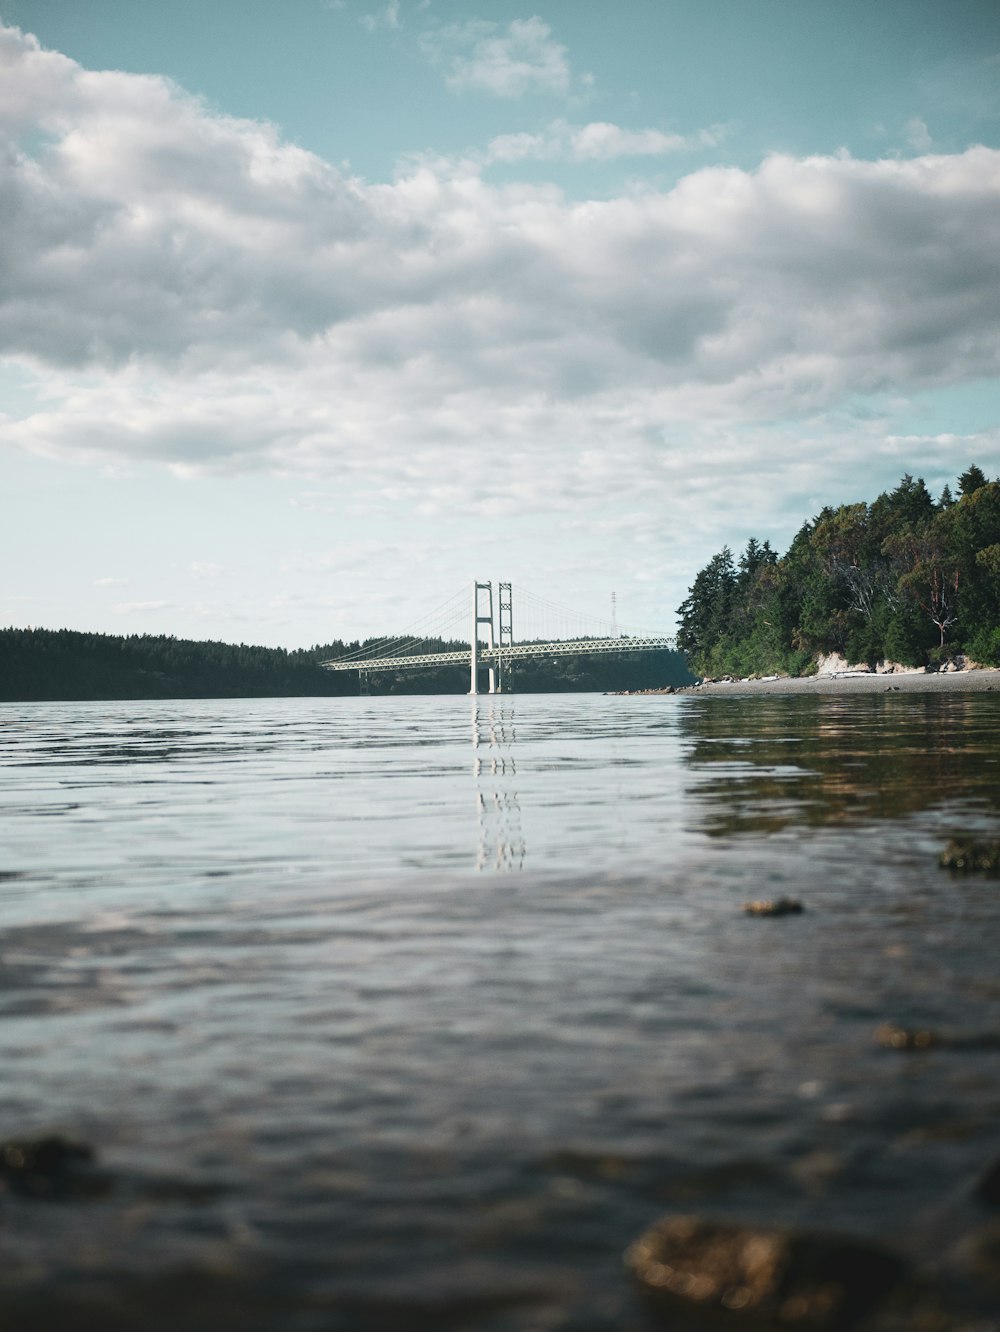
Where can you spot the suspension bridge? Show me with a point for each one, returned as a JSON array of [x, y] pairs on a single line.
[[491, 639]]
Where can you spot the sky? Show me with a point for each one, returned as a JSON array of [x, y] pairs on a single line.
[[313, 313]]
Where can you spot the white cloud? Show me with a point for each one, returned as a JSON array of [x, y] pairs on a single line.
[[111, 582], [601, 141], [918, 135], [597, 141], [382, 18], [190, 289], [480, 56]]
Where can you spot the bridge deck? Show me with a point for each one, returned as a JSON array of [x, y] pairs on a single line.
[[520, 652]]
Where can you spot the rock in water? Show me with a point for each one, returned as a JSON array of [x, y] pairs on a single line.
[[988, 1188], [50, 1166], [729, 1275], [777, 906], [970, 855], [892, 1037]]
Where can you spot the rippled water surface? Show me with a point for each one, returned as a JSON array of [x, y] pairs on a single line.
[[412, 1013]]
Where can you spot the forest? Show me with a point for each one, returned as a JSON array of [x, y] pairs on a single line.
[[907, 578], [45, 664]]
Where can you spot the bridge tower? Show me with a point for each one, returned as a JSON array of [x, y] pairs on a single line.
[[504, 664], [482, 613]]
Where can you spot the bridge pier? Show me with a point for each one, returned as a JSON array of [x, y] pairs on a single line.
[[482, 613]]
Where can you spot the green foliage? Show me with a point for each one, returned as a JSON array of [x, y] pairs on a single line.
[[705, 615], [971, 480], [62, 664], [984, 646], [908, 636], [890, 580]]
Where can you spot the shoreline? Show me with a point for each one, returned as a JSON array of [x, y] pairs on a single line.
[[981, 680]]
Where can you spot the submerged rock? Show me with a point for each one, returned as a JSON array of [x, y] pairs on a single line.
[[988, 1188], [893, 1037], [775, 906], [970, 855], [50, 1166], [730, 1275], [979, 1254]]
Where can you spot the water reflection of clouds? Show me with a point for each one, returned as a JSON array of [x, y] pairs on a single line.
[[498, 811]]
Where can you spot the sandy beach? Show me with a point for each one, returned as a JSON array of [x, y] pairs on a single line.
[[908, 682]]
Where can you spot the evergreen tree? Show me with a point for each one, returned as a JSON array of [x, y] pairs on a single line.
[[971, 480], [706, 613]]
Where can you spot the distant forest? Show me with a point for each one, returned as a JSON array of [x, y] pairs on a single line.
[[906, 578], [45, 664]]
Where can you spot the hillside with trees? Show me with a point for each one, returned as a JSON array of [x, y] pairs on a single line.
[[63, 664], [906, 578], [45, 664]]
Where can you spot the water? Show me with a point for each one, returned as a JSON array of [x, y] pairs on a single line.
[[413, 1013]]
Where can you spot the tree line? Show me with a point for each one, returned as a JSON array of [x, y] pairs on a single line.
[[63, 664], [906, 578], [47, 664]]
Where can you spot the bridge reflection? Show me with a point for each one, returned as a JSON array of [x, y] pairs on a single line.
[[501, 839]]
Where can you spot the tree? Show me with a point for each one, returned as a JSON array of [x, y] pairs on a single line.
[[852, 556], [909, 505], [971, 480], [934, 572], [974, 529], [706, 612], [753, 559]]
